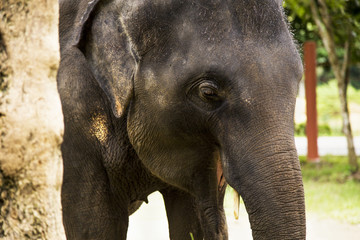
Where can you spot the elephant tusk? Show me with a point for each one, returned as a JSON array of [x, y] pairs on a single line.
[[236, 197]]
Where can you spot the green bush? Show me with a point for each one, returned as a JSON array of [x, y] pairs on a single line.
[[323, 130], [300, 129]]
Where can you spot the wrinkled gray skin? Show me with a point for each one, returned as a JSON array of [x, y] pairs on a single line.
[[156, 93]]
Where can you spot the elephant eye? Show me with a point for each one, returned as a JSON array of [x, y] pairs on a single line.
[[206, 95], [208, 91]]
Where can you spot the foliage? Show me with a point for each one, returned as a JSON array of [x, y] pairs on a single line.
[[345, 16], [300, 129], [346, 25], [300, 19], [323, 130], [330, 189]]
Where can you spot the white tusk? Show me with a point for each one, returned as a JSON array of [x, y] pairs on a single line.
[[236, 204]]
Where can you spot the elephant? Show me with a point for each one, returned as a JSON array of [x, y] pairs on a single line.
[[183, 97]]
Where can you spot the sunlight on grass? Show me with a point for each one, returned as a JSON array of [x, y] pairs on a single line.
[[328, 109], [330, 190], [335, 200]]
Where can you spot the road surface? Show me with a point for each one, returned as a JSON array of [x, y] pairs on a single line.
[[149, 223], [328, 145]]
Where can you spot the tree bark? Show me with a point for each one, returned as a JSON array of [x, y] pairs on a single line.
[[30, 121], [323, 21]]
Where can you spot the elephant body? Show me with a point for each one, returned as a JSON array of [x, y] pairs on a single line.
[[174, 96]]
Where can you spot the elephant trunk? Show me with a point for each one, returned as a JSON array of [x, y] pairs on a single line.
[[266, 173]]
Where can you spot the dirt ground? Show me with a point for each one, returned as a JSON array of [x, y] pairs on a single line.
[[150, 223]]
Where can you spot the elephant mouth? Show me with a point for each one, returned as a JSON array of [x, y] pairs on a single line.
[[221, 184]]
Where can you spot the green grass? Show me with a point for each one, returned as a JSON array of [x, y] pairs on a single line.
[[192, 236], [333, 200], [328, 106], [330, 191]]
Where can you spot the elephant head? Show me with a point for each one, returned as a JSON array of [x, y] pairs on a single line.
[[202, 82]]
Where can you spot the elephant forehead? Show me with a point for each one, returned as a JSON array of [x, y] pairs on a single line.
[[151, 23], [249, 44]]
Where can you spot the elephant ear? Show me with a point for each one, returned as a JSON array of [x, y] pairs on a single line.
[[98, 33], [73, 16]]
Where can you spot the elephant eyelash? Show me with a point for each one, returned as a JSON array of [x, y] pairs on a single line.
[[200, 80], [198, 97], [208, 91]]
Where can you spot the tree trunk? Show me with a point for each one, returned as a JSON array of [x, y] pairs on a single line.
[[323, 21], [30, 121]]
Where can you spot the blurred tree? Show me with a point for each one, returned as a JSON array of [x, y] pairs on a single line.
[[30, 121], [335, 25]]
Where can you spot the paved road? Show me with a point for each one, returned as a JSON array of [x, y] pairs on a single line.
[[149, 223], [328, 145]]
